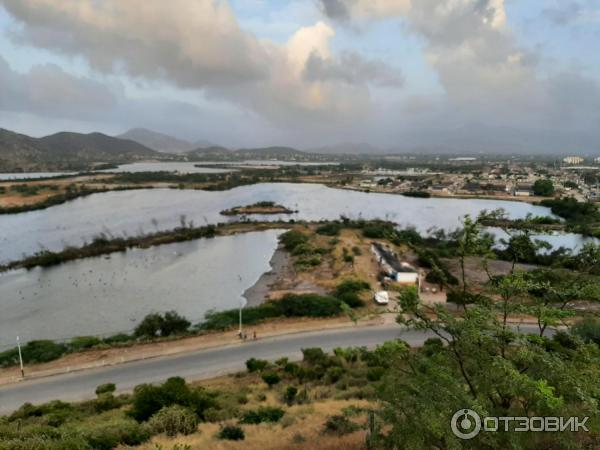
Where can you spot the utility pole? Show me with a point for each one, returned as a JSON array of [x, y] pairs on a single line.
[[20, 357], [240, 332]]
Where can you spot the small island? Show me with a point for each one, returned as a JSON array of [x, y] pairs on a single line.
[[264, 207]]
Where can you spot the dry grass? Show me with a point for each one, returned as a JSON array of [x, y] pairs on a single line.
[[301, 428]]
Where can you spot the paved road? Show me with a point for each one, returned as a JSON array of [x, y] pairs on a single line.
[[196, 365]]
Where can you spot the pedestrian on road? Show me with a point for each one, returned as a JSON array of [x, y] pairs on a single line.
[[254, 335]]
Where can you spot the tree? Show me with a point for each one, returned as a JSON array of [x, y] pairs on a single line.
[[472, 241], [476, 368], [543, 188]]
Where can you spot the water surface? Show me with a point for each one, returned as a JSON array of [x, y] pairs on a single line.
[[146, 210], [175, 167], [111, 294]]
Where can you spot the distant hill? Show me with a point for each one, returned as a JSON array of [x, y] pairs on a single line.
[[162, 142], [263, 153], [66, 150], [211, 153], [282, 153]]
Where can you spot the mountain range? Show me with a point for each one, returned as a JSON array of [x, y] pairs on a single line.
[[66, 151], [162, 142]]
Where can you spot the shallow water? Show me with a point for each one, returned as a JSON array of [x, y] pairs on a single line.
[[111, 294], [175, 167], [147, 210]]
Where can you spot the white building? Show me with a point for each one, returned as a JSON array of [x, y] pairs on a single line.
[[573, 160]]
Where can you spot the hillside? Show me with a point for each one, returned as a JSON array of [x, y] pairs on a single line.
[[262, 153], [161, 142], [65, 150]]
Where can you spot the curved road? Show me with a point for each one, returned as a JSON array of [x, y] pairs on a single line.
[[199, 364]]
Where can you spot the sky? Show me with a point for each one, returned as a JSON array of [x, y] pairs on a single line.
[[472, 75]]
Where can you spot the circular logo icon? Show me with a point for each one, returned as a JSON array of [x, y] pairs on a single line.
[[466, 424]]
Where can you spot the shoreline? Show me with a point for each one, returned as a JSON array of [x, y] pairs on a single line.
[[281, 264]]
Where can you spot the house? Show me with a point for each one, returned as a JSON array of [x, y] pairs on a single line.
[[523, 190], [441, 187], [399, 271]]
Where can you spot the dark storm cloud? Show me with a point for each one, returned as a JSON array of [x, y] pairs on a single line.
[[336, 9]]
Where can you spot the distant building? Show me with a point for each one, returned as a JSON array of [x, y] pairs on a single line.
[[523, 190], [597, 160], [573, 160], [399, 271], [441, 187]]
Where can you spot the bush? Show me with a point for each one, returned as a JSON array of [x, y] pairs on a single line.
[[351, 285], [588, 330], [231, 432], [311, 305], [173, 420], [340, 425], [375, 373], [329, 229], [155, 325], [315, 356], [42, 351], [108, 435], [290, 395], [256, 365], [378, 230], [118, 339], [271, 378], [83, 342], [148, 399], [263, 414], [224, 320], [106, 388], [291, 239]]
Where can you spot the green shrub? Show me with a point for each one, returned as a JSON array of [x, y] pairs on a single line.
[[315, 356], [83, 342], [154, 325], [263, 414], [42, 351], [309, 305], [588, 330], [378, 230], [231, 432], [109, 434], [290, 395], [340, 425], [334, 374], [256, 365], [106, 388], [375, 373], [291, 239], [148, 399], [271, 378], [173, 420], [118, 339], [329, 229]]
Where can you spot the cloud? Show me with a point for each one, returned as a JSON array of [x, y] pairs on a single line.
[[352, 68], [191, 43], [199, 45], [48, 90]]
